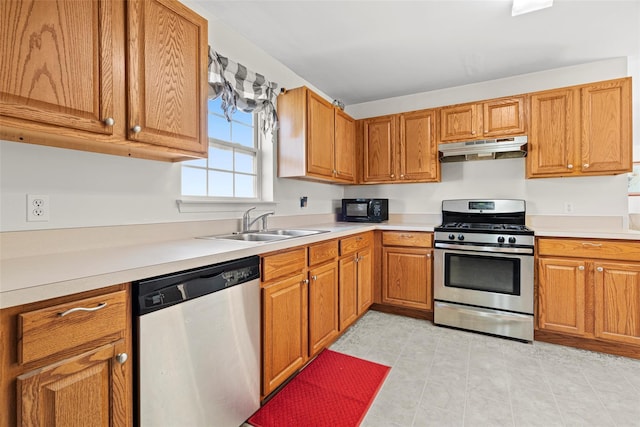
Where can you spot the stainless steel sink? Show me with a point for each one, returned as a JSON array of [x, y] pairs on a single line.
[[294, 233], [266, 235]]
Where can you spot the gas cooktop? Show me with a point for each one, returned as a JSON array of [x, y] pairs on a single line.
[[485, 227]]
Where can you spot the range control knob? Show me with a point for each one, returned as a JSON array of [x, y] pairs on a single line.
[[512, 239], [500, 239], [460, 236], [452, 236]]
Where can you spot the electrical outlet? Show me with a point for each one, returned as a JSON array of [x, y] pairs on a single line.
[[37, 207]]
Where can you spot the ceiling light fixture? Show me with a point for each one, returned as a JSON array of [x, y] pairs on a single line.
[[525, 6]]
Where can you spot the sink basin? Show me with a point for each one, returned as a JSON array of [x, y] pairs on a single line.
[[294, 233], [251, 237], [267, 235]]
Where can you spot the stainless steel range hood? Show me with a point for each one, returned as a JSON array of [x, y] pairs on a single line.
[[487, 149]]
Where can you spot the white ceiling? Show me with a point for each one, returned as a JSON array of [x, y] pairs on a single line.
[[359, 51]]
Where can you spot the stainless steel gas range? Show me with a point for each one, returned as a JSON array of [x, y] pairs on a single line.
[[483, 268]]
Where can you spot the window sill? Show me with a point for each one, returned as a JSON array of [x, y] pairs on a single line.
[[198, 205]]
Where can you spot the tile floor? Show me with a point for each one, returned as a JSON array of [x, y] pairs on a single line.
[[446, 377]]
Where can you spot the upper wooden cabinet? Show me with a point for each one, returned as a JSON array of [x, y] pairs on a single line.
[[401, 148], [581, 130], [379, 149], [126, 78], [316, 140], [488, 119]]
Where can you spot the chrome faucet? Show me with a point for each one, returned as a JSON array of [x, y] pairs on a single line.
[[247, 222]]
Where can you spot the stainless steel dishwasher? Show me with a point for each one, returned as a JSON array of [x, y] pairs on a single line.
[[198, 346]]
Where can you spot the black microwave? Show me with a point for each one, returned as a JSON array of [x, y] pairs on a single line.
[[365, 210]]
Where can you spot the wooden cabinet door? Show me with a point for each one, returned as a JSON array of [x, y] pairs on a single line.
[[503, 117], [379, 149], [561, 295], [606, 127], [617, 302], [167, 75], [284, 328], [459, 122], [406, 276], [57, 63], [553, 133], [419, 147], [323, 306], [320, 136], [85, 390], [348, 297], [345, 147], [365, 280]]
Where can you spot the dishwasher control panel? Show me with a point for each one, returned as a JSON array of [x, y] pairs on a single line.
[[163, 291]]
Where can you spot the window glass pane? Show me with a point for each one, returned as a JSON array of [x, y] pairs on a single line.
[[221, 158], [220, 184], [245, 186], [219, 128], [214, 105], [197, 162], [245, 163], [194, 181], [242, 117], [242, 134]]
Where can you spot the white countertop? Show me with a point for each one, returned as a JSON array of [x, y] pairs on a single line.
[[34, 278], [27, 279]]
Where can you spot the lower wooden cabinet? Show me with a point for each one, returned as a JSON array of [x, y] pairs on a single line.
[[67, 361], [310, 295], [78, 391], [407, 269], [356, 277], [589, 289], [284, 330], [323, 306]]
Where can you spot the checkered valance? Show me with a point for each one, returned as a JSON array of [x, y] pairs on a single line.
[[242, 89]]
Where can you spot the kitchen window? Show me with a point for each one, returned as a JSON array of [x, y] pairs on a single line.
[[232, 171]]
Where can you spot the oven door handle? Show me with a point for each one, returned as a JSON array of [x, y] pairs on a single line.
[[528, 251]]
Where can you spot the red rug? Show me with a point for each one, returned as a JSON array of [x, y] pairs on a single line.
[[334, 390]]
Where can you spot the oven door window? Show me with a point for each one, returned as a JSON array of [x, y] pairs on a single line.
[[482, 273]]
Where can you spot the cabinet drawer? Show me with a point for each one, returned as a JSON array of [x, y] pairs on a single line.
[[590, 248], [355, 243], [284, 264], [52, 330], [322, 252], [407, 238]]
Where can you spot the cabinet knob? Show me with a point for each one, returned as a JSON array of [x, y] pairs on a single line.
[[473, 132], [356, 258], [599, 269], [585, 166], [428, 255], [136, 128], [305, 282], [109, 121], [335, 171], [314, 277], [581, 268], [569, 166], [392, 175], [121, 358], [402, 176]]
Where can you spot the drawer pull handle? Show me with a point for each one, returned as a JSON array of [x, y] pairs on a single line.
[[121, 358], [71, 310], [600, 269], [594, 245], [406, 236]]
